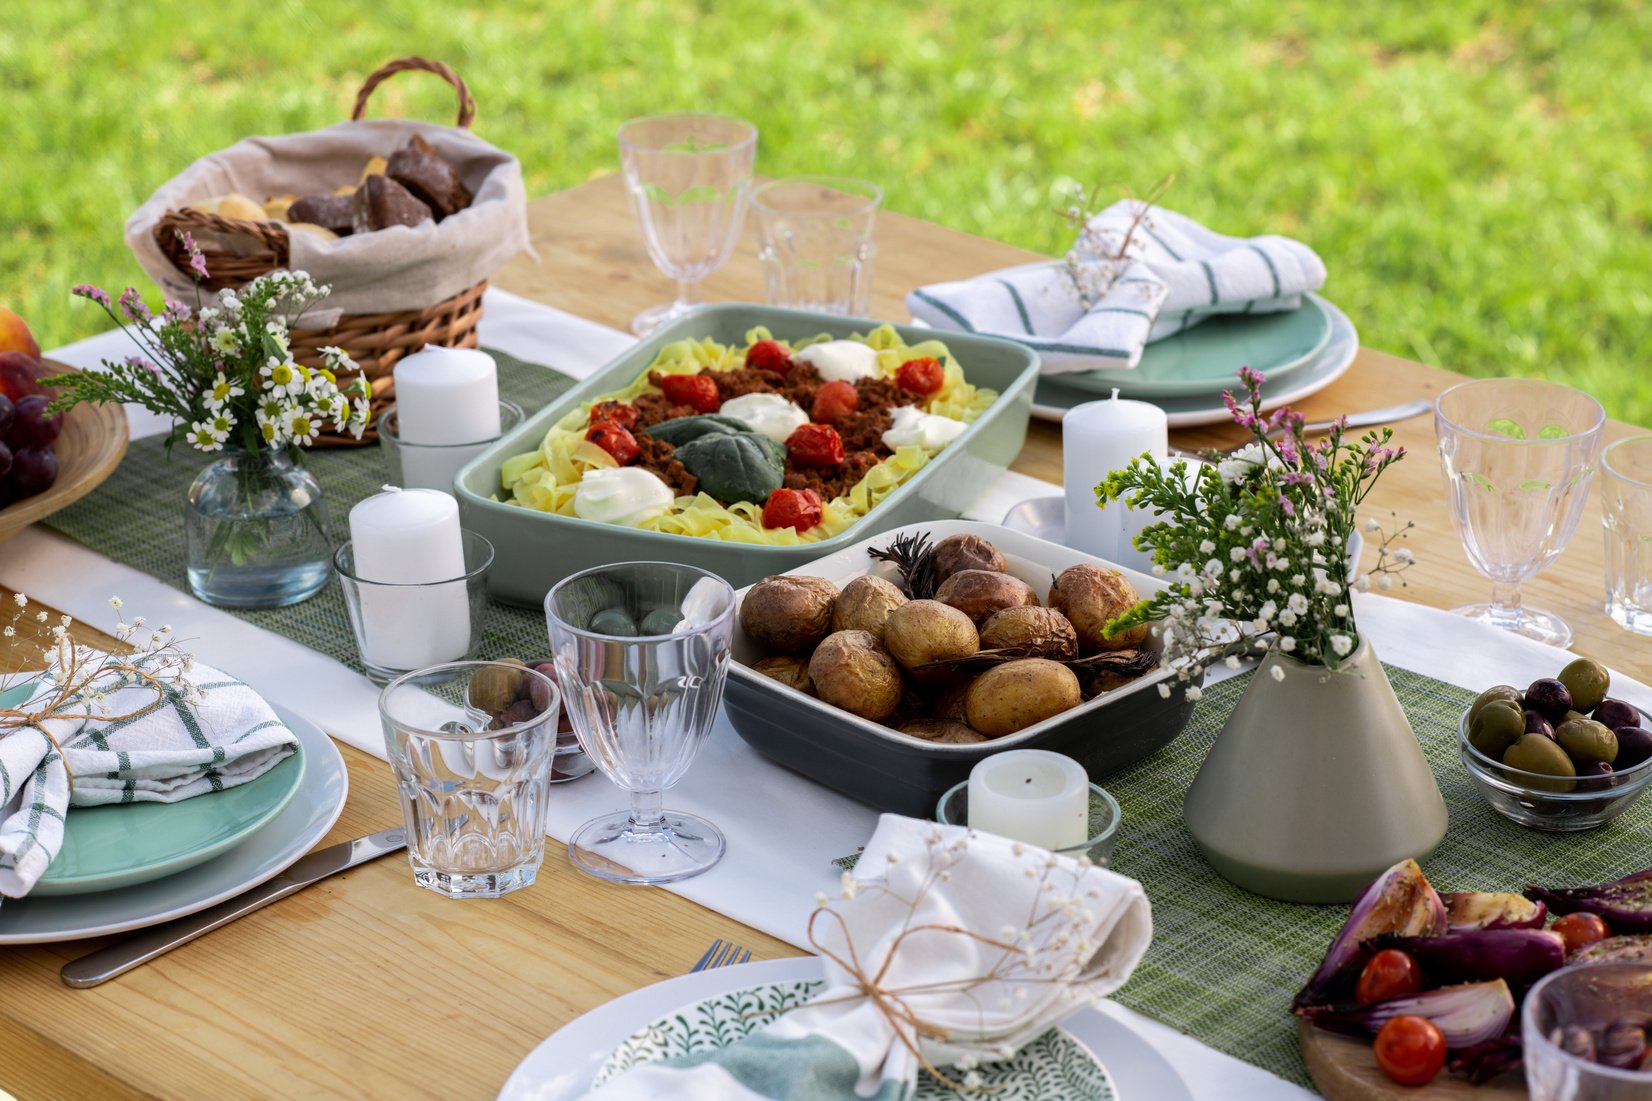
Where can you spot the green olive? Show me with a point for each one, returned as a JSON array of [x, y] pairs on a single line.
[[1498, 725], [1587, 681], [1586, 742], [1495, 692], [1537, 754]]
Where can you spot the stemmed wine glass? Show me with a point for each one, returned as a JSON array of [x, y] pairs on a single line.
[[1518, 455], [689, 177], [641, 651]]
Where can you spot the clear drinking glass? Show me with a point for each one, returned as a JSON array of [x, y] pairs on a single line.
[[1626, 514], [817, 249], [470, 743], [1585, 1000], [1518, 455], [641, 650], [689, 177]]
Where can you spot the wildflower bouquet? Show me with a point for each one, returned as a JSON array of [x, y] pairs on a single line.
[[224, 371], [1255, 543]]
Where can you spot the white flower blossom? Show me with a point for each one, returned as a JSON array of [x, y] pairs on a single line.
[[1277, 672], [1342, 644], [1287, 644]]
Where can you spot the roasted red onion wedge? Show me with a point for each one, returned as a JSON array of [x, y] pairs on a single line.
[[1521, 956], [1625, 904], [1399, 901], [1467, 910], [1465, 1015]]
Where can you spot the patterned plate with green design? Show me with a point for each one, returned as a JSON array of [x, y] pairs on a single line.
[[1053, 1066], [109, 847]]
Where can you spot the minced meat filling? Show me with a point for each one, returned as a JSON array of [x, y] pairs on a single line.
[[862, 431]]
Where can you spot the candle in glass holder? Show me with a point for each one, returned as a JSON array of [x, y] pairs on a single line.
[[447, 396], [408, 552], [1031, 795], [1097, 438]]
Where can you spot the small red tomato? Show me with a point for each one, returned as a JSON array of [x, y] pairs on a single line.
[[815, 445], [769, 355], [615, 412], [1410, 1050], [1389, 974], [920, 376], [1580, 930], [696, 391], [792, 508], [834, 401], [615, 439]]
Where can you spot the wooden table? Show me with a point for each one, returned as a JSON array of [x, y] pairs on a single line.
[[366, 986]]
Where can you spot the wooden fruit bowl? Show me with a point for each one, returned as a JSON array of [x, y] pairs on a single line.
[[1345, 1070], [91, 445]]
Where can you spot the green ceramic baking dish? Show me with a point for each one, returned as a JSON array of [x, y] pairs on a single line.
[[534, 550]]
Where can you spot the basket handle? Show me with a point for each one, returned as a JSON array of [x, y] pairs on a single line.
[[467, 105]]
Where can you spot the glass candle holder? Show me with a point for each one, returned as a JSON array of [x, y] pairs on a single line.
[[399, 628], [471, 744], [817, 251], [434, 466], [953, 810]]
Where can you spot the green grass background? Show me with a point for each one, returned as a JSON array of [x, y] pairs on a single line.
[[1477, 175]]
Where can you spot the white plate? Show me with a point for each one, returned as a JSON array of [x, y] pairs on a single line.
[[264, 855], [1330, 364], [563, 1066]]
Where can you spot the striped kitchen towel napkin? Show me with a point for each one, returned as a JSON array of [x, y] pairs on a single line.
[[951, 949], [1140, 283], [179, 746]]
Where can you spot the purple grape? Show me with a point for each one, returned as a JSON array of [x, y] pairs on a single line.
[[1616, 713], [8, 412], [5, 453], [1634, 746], [33, 470], [32, 427], [1548, 697]]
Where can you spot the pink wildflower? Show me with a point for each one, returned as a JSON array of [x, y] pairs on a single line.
[[197, 262], [86, 290], [132, 302]]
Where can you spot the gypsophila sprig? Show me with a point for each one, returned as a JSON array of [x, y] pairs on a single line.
[[1102, 253], [224, 371], [79, 680], [1253, 544]]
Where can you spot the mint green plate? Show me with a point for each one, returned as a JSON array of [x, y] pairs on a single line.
[[1205, 359], [108, 847]]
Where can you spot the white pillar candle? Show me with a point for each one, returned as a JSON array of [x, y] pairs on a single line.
[[447, 395], [410, 538], [1031, 795], [1097, 438]]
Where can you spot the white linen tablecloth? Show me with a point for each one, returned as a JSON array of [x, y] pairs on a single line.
[[783, 830]]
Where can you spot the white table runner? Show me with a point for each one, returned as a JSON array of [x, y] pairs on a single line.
[[783, 831]]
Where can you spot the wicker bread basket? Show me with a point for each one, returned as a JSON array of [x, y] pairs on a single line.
[[238, 251]]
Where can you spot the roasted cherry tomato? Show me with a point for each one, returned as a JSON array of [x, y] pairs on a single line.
[[792, 508], [815, 445], [769, 355], [1580, 930], [834, 401], [920, 376], [616, 439], [697, 391], [1389, 974], [1410, 1050], [615, 412]]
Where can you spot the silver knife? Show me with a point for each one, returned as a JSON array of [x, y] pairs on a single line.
[[122, 956]]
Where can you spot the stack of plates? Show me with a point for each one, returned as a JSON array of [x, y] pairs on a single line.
[[130, 865], [1301, 352]]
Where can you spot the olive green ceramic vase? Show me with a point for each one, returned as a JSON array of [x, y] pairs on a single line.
[[1316, 784]]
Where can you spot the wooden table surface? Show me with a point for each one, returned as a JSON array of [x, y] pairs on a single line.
[[366, 986]]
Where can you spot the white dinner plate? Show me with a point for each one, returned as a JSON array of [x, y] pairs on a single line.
[[1330, 363], [563, 1066], [289, 835]]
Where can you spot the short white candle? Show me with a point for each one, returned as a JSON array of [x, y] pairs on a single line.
[[410, 537], [1097, 438], [447, 395], [1031, 795]]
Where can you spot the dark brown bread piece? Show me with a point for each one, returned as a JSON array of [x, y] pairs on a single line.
[[427, 174], [327, 211], [381, 201]]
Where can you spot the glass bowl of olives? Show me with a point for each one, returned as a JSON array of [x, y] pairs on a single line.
[[1562, 755]]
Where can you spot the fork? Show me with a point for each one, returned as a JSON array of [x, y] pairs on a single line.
[[721, 954]]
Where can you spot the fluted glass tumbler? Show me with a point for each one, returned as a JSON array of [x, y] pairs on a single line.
[[1626, 515], [689, 178], [641, 651], [470, 743], [817, 250], [1518, 456]]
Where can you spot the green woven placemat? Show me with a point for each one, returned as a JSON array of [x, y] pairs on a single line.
[[136, 518]]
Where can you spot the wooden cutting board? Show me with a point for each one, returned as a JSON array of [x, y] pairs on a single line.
[[1344, 1069]]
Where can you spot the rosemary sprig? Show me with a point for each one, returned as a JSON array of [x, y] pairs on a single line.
[[914, 557]]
